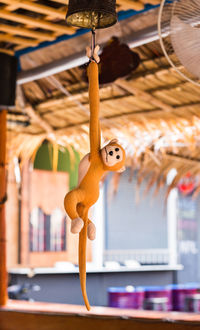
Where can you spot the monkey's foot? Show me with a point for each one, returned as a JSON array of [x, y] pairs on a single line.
[[91, 231], [76, 225]]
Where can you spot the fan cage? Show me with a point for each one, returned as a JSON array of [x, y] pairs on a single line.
[[188, 11]]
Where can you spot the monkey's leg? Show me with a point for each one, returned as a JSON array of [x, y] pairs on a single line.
[[72, 199], [91, 230]]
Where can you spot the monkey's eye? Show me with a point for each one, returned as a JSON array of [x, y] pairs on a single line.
[[116, 149], [118, 157], [111, 153]]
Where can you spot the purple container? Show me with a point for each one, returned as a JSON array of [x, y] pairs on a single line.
[[158, 298], [192, 303], [180, 292], [126, 297]]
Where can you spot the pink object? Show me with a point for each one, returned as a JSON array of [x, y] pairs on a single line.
[[158, 298], [126, 297], [192, 303], [180, 292]]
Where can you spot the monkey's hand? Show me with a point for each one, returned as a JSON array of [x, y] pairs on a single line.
[[76, 225], [93, 57]]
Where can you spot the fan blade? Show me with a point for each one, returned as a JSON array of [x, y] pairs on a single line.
[[185, 40]]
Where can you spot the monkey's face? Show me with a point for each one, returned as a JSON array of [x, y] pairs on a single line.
[[113, 156]]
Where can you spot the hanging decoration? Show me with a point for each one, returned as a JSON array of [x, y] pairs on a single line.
[[188, 184], [117, 60], [91, 14]]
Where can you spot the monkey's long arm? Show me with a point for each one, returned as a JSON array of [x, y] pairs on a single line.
[[95, 143], [94, 154]]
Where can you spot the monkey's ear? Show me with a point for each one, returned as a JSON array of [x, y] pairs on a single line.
[[113, 141], [122, 169]]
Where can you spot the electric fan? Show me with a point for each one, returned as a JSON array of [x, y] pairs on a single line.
[[179, 33]]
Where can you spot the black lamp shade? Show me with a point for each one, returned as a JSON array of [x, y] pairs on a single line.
[[91, 14]]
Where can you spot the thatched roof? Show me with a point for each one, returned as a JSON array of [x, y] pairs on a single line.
[[154, 112]]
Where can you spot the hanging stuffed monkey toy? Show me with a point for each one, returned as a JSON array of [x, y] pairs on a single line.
[[91, 169]]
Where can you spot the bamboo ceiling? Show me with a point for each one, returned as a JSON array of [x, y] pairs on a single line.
[[27, 23], [154, 112]]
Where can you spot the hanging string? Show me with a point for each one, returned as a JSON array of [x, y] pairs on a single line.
[[93, 43]]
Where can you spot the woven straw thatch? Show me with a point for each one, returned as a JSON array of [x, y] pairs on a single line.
[[153, 112]]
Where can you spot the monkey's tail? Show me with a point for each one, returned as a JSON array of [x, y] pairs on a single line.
[[82, 263]]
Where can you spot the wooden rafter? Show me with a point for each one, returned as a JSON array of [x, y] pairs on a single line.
[[35, 22], [179, 158], [64, 2], [37, 8], [135, 115], [26, 32], [17, 40], [144, 95], [39, 120], [137, 5]]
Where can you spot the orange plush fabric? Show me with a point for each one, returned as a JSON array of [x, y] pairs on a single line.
[[110, 158]]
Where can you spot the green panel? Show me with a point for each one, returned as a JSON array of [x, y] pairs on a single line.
[[43, 161], [65, 165], [43, 158], [74, 171]]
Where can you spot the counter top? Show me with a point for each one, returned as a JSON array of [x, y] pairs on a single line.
[[91, 269], [96, 311]]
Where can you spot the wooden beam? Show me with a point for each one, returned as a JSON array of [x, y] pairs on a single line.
[[39, 120], [64, 2], [144, 95], [37, 8], [36, 22], [3, 271], [129, 115], [18, 30], [131, 4], [152, 2], [17, 40], [58, 84], [34, 115], [7, 51], [182, 159]]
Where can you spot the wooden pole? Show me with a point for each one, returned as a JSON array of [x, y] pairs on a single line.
[[3, 271]]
